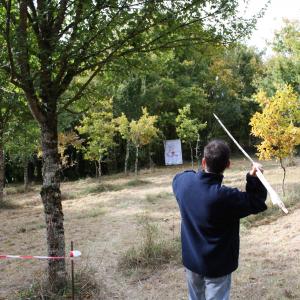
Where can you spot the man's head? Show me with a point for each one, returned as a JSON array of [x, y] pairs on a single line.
[[216, 157]]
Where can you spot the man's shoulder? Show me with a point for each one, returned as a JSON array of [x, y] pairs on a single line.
[[228, 191], [189, 171], [184, 176], [185, 173]]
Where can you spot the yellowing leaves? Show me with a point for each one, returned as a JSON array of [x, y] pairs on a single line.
[[143, 130], [276, 125], [66, 139]]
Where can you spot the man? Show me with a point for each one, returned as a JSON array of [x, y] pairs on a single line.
[[210, 221]]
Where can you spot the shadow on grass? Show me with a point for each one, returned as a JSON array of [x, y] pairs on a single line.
[[103, 187], [135, 182], [6, 204]]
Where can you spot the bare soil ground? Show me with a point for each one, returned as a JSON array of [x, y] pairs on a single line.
[[104, 224]]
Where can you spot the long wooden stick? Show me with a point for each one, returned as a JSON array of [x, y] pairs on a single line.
[[273, 195]]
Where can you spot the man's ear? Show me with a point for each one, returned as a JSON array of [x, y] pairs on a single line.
[[228, 164], [203, 163]]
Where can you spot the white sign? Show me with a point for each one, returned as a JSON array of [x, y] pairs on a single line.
[[173, 153]]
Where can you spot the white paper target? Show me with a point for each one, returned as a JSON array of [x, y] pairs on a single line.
[[173, 153]]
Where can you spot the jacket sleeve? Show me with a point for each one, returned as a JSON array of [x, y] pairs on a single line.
[[252, 201]]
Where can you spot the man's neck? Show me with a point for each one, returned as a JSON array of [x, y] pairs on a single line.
[[206, 171]]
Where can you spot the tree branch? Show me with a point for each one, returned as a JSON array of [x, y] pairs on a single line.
[[60, 17], [81, 90], [12, 70]]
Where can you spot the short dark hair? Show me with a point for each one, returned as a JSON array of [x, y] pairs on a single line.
[[216, 154]]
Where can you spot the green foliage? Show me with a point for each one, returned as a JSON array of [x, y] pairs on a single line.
[[99, 126], [24, 138], [188, 129], [123, 126], [284, 66]]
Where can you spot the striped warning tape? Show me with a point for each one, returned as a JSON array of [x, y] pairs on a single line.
[[73, 254]]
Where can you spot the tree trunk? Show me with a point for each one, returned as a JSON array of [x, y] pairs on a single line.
[[96, 169], [2, 168], [198, 154], [136, 161], [25, 164], [99, 168], [126, 158], [150, 158], [192, 156], [284, 174], [51, 197]]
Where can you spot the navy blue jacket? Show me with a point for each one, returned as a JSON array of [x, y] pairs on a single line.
[[210, 219]]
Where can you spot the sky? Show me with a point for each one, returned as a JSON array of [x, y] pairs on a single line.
[[272, 20]]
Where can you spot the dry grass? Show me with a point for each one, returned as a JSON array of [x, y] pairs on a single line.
[[291, 200], [85, 287], [13, 189], [102, 222], [7, 204], [152, 251]]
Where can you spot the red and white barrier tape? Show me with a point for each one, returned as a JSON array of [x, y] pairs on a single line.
[[73, 254]]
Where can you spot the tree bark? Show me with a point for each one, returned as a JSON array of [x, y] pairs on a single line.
[[136, 161], [2, 169], [99, 168], [192, 156], [26, 181], [96, 169], [150, 158], [284, 174], [198, 154], [51, 197], [126, 158]]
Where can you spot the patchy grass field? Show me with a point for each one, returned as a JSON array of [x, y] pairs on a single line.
[[128, 233]]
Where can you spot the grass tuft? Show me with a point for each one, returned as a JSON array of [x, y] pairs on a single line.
[[154, 198], [136, 182], [95, 212], [86, 287], [152, 252], [100, 188], [18, 189], [69, 195], [8, 205]]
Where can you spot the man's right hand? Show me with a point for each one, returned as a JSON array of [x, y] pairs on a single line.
[[256, 166]]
